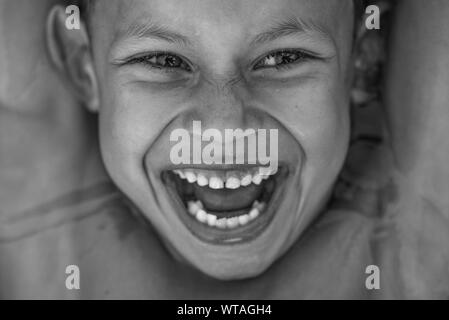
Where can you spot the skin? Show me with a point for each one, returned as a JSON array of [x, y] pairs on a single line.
[[121, 257], [39, 118], [34, 171], [417, 110], [140, 107]]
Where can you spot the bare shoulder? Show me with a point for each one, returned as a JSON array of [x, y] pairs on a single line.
[[396, 177]]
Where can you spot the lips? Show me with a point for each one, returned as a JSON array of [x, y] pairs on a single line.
[[225, 206]]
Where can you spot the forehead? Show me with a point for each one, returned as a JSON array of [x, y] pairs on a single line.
[[228, 18]]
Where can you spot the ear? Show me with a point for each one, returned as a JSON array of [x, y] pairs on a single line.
[[69, 51]]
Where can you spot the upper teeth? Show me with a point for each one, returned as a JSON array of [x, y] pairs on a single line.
[[197, 210], [229, 180]]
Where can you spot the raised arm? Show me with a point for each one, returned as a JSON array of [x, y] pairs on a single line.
[[417, 106], [418, 97]]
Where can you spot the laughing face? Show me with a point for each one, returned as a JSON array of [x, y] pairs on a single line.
[[279, 65]]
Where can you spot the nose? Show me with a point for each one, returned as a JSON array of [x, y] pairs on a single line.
[[220, 104]]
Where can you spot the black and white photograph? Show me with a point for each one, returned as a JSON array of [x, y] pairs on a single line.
[[224, 150]]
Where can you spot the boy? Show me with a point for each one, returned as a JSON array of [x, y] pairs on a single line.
[[152, 67]]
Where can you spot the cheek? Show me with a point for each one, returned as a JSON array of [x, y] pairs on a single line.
[[317, 116], [132, 118], [128, 126], [326, 134]]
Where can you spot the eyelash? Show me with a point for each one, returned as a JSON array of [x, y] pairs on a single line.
[[162, 60], [279, 59], [170, 62]]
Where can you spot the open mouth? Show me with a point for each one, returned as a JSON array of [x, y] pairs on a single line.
[[226, 206]]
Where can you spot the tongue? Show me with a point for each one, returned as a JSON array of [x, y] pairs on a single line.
[[226, 199]]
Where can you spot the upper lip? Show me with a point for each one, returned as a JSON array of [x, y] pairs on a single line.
[[215, 167]]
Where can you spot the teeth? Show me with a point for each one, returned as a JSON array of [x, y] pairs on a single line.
[[266, 172], [193, 208], [232, 222], [257, 179], [259, 206], [243, 219], [202, 180], [196, 209], [211, 220], [180, 173], [231, 180], [233, 183], [190, 176], [246, 180], [216, 183], [221, 223], [201, 216], [254, 213]]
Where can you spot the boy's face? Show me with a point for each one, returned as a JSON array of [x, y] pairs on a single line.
[[249, 64]]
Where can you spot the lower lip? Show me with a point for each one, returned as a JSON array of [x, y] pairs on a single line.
[[237, 236]]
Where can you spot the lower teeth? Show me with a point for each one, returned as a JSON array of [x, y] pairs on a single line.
[[196, 209]]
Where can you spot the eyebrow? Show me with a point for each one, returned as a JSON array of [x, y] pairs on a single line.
[[292, 26], [148, 29]]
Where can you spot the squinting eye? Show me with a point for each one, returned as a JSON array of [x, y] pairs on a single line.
[[281, 59], [162, 61]]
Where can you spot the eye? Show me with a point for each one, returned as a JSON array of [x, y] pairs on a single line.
[[162, 61], [280, 59]]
